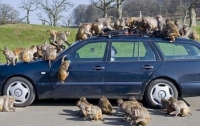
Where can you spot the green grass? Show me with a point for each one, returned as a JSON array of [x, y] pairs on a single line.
[[25, 35]]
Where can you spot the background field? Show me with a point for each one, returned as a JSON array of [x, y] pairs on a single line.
[[25, 35]]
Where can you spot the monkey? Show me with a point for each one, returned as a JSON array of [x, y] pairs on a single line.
[[81, 104], [53, 34], [105, 105], [62, 72], [62, 37], [160, 22], [50, 54], [84, 31], [180, 108], [122, 104], [17, 51], [97, 28], [94, 113], [166, 104], [10, 56], [131, 21], [120, 24], [106, 22], [150, 24], [178, 25], [170, 30], [125, 106], [189, 33], [6, 103], [26, 55], [140, 116]]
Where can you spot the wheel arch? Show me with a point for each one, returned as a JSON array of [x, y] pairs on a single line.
[[166, 78], [36, 93]]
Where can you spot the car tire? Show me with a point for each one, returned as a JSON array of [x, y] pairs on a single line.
[[21, 89], [158, 89]]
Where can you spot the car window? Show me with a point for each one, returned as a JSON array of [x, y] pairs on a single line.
[[89, 52], [131, 51], [173, 51]]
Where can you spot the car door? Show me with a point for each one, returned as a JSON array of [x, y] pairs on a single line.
[[86, 71], [131, 63]]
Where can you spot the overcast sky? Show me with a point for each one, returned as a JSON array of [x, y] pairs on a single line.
[[33, 17]]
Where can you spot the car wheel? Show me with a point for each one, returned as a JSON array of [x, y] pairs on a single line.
[[21, 89], [158, 89]]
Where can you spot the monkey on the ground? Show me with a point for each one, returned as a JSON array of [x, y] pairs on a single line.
[[189, 33], [180, 107], [10, 56], [6, 103], [26, 55], [125, 106], [93, 113], [140, 116], [63, 69], [105, 105], [84, 31], [166, 104], [81, 104], [50, 54], [171, 30], [122, 104]]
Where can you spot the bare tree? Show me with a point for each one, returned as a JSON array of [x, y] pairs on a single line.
[[8, 14], [192, 13], [28, 6], [53, 10], [66, 21], [104, 5], [119, 8]]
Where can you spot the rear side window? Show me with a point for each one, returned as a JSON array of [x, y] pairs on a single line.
[[174, 51], [131, 51]]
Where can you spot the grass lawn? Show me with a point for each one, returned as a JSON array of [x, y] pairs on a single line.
[[25, 35]]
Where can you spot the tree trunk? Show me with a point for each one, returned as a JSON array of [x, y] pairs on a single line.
[[119, 9], [192, 14], [27, 17], [185, 17], [105, 12]]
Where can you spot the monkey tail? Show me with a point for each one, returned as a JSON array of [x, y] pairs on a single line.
[[49, 63], [63, 58]]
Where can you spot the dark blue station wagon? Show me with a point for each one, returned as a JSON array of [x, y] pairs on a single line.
[[148, 68]]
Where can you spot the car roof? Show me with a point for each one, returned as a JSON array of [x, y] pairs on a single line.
[[136, 37]]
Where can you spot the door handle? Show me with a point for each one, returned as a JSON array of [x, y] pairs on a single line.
[[147, 67], [98, 68]]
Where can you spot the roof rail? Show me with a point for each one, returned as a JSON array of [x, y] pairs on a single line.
[[130, 32]]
